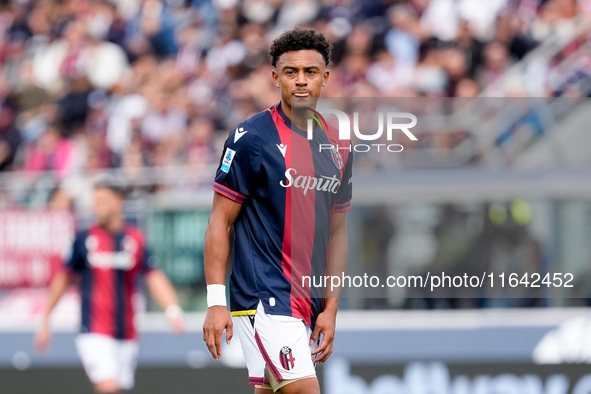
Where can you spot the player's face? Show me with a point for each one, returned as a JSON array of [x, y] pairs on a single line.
[[107, 205], [300, 75]]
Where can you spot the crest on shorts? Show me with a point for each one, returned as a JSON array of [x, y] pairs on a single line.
[[286, 357], [337, 159]]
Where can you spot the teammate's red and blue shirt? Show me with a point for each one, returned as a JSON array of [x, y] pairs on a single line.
[[289, 188], [109, 265]]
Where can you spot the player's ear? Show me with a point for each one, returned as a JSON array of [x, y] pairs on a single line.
[[275, 77], [325, 77]]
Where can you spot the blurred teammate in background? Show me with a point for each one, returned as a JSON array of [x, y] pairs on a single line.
[[109, 257], [286, 200]]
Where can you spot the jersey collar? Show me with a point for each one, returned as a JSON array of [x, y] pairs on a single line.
[[287, 121]]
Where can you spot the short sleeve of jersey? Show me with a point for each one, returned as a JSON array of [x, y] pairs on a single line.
[[343, 202], [148, 263], [75, 259], [239, 164]]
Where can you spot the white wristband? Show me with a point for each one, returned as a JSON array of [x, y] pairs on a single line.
[[173, 312], [216, 295]]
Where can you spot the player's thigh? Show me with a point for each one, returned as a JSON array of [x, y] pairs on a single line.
[[304, 386], [259, 390], [283, 342], [98, 354], [127, 355], [244, 330]]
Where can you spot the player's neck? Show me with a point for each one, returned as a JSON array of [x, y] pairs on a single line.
[[115, 225], [298, 119]]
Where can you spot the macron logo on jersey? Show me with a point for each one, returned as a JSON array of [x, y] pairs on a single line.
[[306, 182], [282, 149], [239, 133], [228, 158]]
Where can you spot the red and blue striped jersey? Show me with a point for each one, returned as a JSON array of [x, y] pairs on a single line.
[[289, 189], [108, 265]]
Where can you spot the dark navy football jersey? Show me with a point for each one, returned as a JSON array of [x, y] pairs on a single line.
[[108, 265], [289, 189]]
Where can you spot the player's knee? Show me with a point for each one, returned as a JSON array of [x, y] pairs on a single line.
[[107, 387]]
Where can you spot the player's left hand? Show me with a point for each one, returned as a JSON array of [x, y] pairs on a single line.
[[42, 339], [325, 325], [177, 325], [176, 320]]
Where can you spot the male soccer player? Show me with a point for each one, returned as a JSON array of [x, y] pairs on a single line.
[[108, 258], [287, 200]]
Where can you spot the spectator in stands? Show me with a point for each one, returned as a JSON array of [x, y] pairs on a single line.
[[104, 62], [466, 87], [296, 12], [405, 35], [511, 32], [163, 64], [227, 53], [387, 75], [455, 66], [124, 120], [353, 66], [441, 19], [164, 119], [52, 152], [198, 145], [9, 135], [430, 77], [495, 62], [61, 60], [554, 17], [470, 45]]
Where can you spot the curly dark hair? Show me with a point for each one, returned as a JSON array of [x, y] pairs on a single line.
[[300, 39]]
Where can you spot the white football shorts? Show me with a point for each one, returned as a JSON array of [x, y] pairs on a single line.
[[277, 345], [106, 358]]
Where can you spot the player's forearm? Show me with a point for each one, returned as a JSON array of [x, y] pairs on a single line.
[[337, 261], [161, 289], [216, 251], [57, 287], [338, 252]]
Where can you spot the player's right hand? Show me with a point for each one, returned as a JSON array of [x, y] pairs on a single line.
[[42, 339], [216, 321]]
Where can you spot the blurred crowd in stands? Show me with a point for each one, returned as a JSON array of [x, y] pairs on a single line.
[[150, 85], [93, 84]]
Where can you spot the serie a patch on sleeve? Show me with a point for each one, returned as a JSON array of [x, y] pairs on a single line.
[[228, 158]]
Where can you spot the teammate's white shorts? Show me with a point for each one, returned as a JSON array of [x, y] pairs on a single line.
[[106, 358], [280, 343]]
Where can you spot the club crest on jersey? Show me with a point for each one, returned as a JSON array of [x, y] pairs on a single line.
[[228, 158], [337, 159], [286, 357]]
